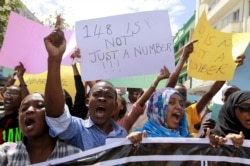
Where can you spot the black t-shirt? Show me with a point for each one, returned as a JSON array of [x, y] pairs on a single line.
[[9, 129]]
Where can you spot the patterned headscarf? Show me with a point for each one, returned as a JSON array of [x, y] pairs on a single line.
[[157, 112]]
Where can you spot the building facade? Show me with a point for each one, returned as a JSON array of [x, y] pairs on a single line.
[[225, 16], [181, 38]]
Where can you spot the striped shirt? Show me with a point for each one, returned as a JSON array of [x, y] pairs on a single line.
[[12, 154]]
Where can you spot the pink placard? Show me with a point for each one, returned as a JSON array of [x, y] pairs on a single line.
[[23, 42]]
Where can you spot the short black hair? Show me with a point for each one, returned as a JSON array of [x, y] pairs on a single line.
[[106, 82]]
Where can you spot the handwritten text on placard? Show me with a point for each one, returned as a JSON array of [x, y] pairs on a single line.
[[212, 57], [125, 45]]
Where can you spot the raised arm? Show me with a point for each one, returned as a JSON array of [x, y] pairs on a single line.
[[188, 49], [79, 108], [55, 45], [138, 108], [204, 100], [20, 70], [216, 87], [164, 74]]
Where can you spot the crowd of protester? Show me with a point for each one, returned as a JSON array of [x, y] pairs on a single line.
[[36, 127]]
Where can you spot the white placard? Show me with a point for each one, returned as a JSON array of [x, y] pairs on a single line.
[[125, 45]]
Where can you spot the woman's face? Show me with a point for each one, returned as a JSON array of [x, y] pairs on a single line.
[[32, 116], [242, 112], [175, 111]]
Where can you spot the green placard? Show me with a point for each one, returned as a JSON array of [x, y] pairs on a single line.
[[143, 81]]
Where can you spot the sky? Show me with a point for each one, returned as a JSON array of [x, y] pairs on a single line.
[[73, 10]]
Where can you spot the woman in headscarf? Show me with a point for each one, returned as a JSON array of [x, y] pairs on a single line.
[[233, 120], [166, 114]]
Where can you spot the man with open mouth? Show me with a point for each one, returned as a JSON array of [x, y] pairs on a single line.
[[85, 134]]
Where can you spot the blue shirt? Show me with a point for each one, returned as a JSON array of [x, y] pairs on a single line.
[[81, 133]]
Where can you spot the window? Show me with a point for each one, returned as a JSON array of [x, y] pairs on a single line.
[[231, 18], [213, 4], [236, 16], [249, 7]]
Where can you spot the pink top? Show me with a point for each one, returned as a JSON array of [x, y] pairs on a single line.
[[130, 118]]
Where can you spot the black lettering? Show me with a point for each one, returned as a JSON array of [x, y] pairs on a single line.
[[206, 69], [220, 58], [114, 53], [152, 49], [220, 69], [137, 51], [225, 43], [208, 41], [118, 41], [98, 32], [108, 56], [108, 42], [87, 31], [126, 54], [147, 23], [95, 54], [202, 68], [211, 70], [137, 28], [169, 47], [158, 48]]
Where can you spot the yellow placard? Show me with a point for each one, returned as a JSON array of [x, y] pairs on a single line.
[[36, 82], [212, 56], [215, 51], [240, 42]]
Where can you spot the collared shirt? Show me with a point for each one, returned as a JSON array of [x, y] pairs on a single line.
[[12, 154], [81, 133]]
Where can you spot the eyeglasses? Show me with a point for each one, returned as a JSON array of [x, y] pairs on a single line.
[[244, 108], [8, 94]]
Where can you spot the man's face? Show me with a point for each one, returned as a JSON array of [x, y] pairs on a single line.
[[12, 99], [133, 95], [102, 103]]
